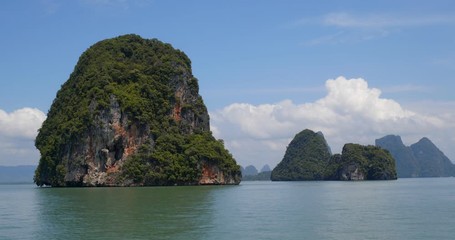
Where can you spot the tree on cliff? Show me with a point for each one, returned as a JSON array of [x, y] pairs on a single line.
[[130, 114]]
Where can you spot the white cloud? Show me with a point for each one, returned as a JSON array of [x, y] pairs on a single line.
[[358, 27], [346, 20], [23, 122], [18, 130], [350, 112]]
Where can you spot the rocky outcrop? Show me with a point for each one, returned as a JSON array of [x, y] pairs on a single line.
[[128, 94], [351, 172], [213, 175], [101, 150]]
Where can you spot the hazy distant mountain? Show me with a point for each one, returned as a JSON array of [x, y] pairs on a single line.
[[17, 174], [249, 170], [262, 176], [433, 162], [265, 168], [406, 164], [422, 159], [250, 173]]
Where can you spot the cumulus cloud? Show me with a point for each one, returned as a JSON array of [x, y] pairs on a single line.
[[23, 122], [18, 130], [350, 112]]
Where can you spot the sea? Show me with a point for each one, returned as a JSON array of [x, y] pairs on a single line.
[[419, 208]]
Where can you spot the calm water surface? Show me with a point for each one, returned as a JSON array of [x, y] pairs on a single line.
[[403, 209]]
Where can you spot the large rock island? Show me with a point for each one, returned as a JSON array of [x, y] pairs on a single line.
[[130, 114], [308, 157]]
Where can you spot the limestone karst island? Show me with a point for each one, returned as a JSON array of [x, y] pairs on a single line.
[[308, 157], [130, 114]]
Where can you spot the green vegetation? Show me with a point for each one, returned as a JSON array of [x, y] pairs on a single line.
[[373, 163], [176, 160], [305, 159], [308, 157], [143, 76]]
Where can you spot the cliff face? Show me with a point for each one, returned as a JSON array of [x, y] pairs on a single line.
[[99, 152], [308, 157], [131, 114], [422, 159]]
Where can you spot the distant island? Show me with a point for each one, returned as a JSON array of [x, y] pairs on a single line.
[[130, 114], [421, 159], [250, 173], [308, 157], [17, 174]]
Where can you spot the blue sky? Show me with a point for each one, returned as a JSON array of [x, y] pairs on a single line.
[[269, 56]]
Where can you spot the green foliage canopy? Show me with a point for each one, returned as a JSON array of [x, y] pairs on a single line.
[[142, 75], [305, 159]]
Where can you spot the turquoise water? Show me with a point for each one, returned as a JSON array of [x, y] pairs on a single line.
[[403, 209]]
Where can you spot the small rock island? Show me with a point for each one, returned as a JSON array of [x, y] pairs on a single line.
[[130, 114], [308, 157]]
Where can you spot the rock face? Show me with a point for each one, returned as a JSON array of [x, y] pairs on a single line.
[[422, 159], [305, 159], [131, 114], [213, 175], [308, 157]]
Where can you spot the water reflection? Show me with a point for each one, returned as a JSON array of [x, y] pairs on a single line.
[[403, 209], [125, 213]]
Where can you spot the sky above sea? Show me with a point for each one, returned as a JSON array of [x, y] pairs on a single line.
[[355, 70]]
